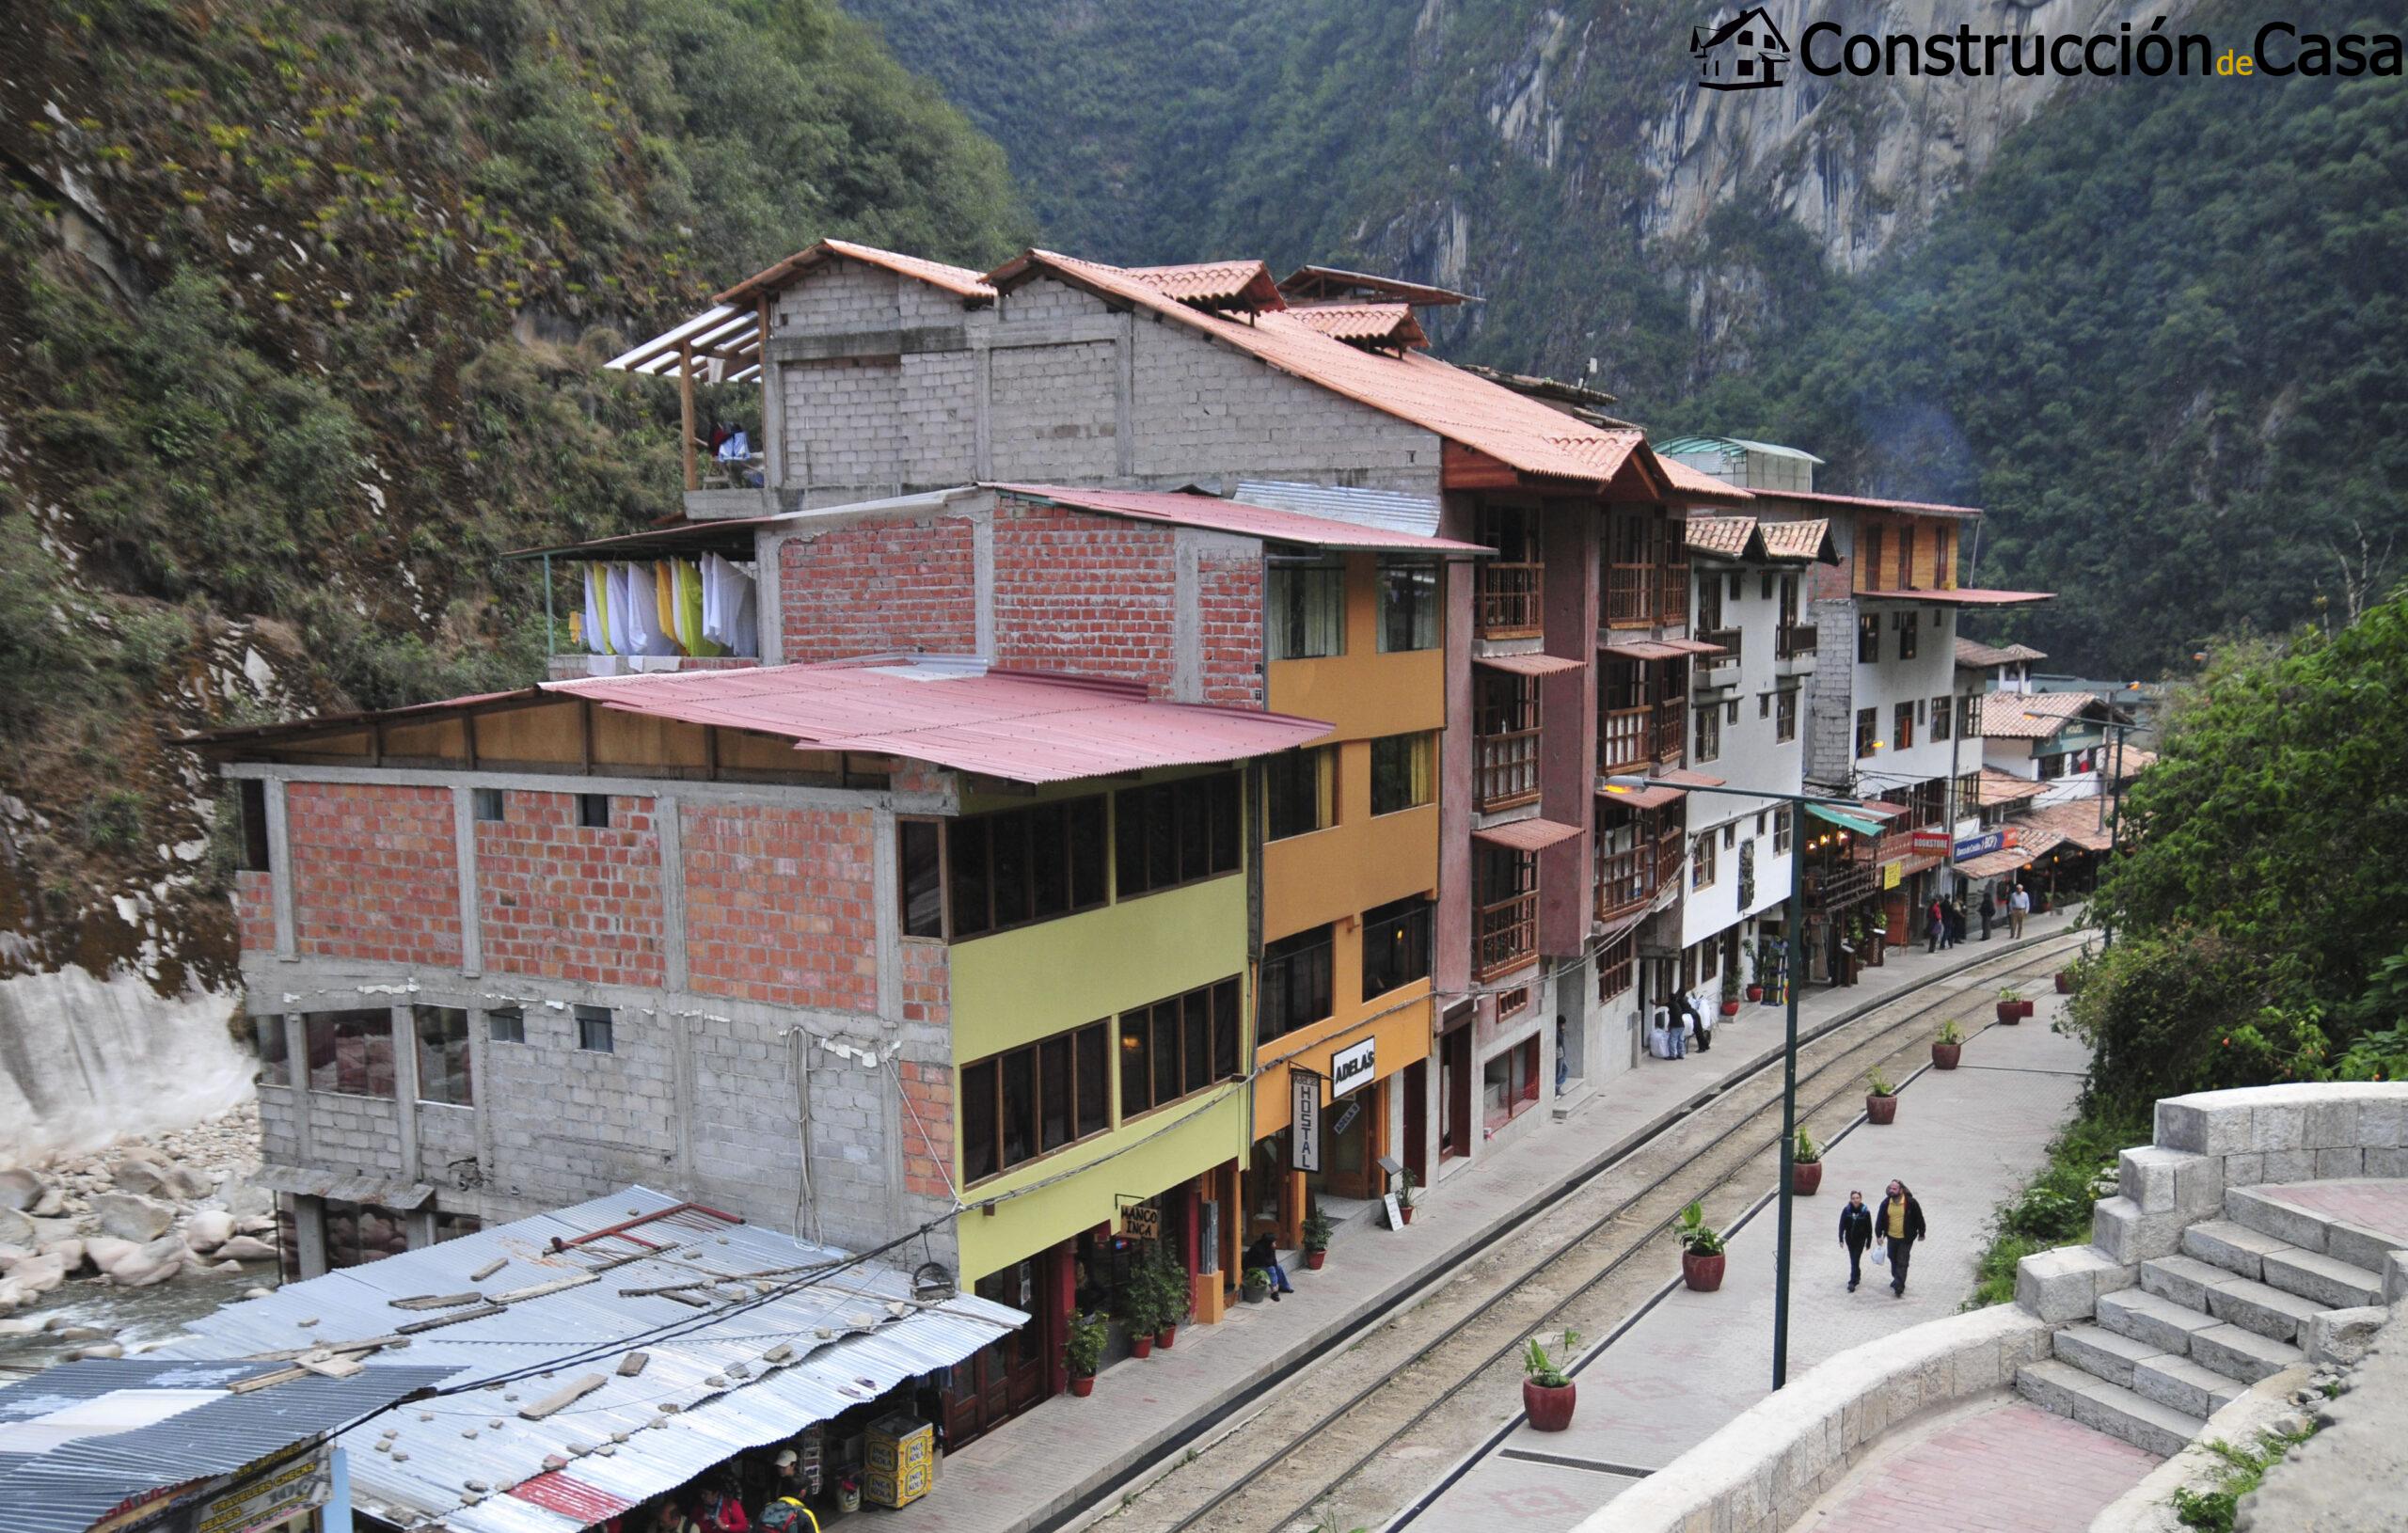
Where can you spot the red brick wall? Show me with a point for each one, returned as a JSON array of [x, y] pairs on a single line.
[[254, 910], [928, 1129], [1083, 594], [869, 590], [564, 902], [375, 873], [1228, 600], [780, 905]]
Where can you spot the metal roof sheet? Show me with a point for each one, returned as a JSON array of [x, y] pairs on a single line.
[[713, 1384], [1647, 798], [1870, 502], [1730, 447], [1958, 596], [1844, 820], [1271, 524], [390, 1192], [1530, 835], [1391, 509], [1527, 665]]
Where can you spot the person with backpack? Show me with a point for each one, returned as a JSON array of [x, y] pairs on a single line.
[[722, 1513], [1935, 924]]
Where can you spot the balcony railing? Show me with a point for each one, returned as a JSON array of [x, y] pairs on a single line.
[[1509, 600], [1671, 729], [1838, 885], [1794, 641], [1670, 849], [1630, 595], [1505, 934], [1625, 739], [1728, 638], [1672, 599], [1505, 767], [1626, 880]]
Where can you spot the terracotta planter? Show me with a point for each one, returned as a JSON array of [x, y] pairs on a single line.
[[1313, 1261], [1804, 1177], [1730, 1008], [1082, 1387], [1881, 1109], [1141, 1346], [1944, 1055], [2023, 1008], [2010, 1013], [1409, 1213], [1167, 1337], [1704, 1274], [2064, 983], [1550, 1410], [1756, 992]]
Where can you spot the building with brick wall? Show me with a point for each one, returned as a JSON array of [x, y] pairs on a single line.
[[923, 958]]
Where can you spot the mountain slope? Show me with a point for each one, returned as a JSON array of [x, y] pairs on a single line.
[[302, 308]]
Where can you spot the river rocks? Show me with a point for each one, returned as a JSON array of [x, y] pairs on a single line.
[[246, 1248], [103, 1251], [98, 1349], [131, 1216], [154, 1261], [208, 1230], [16, 1229], [22, 1191], [136, 1175], [70, 1251], [62, 1329], [20, 1327], [35, 1274]]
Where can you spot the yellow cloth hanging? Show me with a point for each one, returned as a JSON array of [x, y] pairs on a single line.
[[689, 611], [597, 580], [664, 601]]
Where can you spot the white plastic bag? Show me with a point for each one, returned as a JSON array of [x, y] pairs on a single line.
[[1881, 1255]]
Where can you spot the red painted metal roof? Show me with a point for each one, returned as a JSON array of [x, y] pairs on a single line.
[[1959, 596], [1386, 325], [959, 280], [1527, 665], [1657, 649], [572, 1498], [1527, 835], [1218, 515], [1028, 727]]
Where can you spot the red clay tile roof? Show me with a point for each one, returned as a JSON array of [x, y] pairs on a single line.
[[1972, 653], [2030, 716], [2007, 788], [1527, 835], [1527, 665], [1241, 517], [1386, 325], [2076, 819], [1640, 798], [1245, 282], [1801, 540], [959, 280], [1727, 536]]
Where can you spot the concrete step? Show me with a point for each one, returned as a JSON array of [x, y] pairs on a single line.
[[2148, 1316], [2101, 1353], [2185, 1280], [2253, 1208], [2112, 1409], [2255, 1307], [2231, 1245], [2330, 1282], [2242, 1354], [2185, 1386]]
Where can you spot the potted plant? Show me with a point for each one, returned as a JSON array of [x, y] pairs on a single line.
[[1256, 1287], [1406, 1184], [1731, 990], [1136, 1309], [1547, 1392], [2066, 980], [1880, 1098], [1317, 1232], [1949, 1047], [1083, 1351], [2012, 1008], [1702, 1254], [1173, 1298], [1805, 1165]]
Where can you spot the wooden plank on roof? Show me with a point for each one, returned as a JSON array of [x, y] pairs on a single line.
[[561, 1399], [480, 1312], [439, 1300]]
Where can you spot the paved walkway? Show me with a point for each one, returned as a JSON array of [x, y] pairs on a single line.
[[1030, 1472], [1999, 1465], [1964, 1141], [2376, 1202]]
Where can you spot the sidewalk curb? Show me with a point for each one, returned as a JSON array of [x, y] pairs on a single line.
[[1129, 1473]]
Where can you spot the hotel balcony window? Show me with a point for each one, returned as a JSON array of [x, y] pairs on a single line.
[[1505, 739], [1902, 729], [1296, 983], [1304, 610], [1177, 1047], [966, 877], [1505, 919], [1408, 606], [1868, 732], [1909, 623], [1511, 584], [1396, 946], [1404, 772], [1868, 636]]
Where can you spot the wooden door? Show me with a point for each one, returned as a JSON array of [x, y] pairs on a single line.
[[1454, 1054], [1416, 1120]]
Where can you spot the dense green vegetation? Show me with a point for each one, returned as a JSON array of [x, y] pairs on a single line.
[[304, 307], [2157, 338]]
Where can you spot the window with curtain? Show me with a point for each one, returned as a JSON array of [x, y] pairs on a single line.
[[1404, 772], [1306, 611], [1299, 792], [1408, 606]]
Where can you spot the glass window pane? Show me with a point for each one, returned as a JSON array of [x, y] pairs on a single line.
[[1225, 1030], [1128, 841], [268, 1040], [593, 1029], [1408, 606], [970, 915], [1197, 1022], [1225, 827], [923, 880], [1137, 1074], [1094, 1098], [1020, 1106], [1162, 846], [979, 1121], [1195, 803], [1088, 838], [1166, 1051], [506, 1024], [351, 1053], [1009, 836], [1054, 1090], [1049, 861]]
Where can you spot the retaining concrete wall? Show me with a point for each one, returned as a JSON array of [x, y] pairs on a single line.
[[1762, 1471]]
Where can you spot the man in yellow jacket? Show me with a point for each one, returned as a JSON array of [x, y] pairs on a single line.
[[1900, 1223]]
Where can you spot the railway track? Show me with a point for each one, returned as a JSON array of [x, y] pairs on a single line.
[[1401, 1395]]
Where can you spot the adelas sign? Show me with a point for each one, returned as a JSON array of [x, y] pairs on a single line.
[[1352, 1066]]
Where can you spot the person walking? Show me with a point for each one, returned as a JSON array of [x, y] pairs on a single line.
[[1698, 1022], [1265, 1254], [1856, 1233], [1900, 1222], [2019, 905], [1935, 924], [1989, 910]]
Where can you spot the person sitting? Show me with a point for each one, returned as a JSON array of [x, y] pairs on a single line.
[[1264, 1254]]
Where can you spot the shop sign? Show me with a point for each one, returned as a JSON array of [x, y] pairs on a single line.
[[1993, 840], [1892, 872], [285, 1492], [1352, 1066], [1303, 1120], [1141, 1221], [1929, 840], [1345, 1118]]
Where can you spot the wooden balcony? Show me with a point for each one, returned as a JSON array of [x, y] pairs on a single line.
[[1510, 598], [1505, 769], [1630, 595], [1726, 638], [1840, 884], [1625, 739], [1671, 848], [1671, 731], [1626, 880], [1505, 934], [1672, 597], [1794, 641]]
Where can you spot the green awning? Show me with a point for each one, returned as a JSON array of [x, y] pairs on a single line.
[[1844, 820]]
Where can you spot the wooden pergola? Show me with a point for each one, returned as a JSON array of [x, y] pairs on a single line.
[[722, 344]]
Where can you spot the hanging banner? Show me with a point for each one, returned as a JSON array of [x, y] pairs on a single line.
[[1303, 1120]]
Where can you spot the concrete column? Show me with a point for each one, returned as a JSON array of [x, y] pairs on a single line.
[[296, 1055], [279, 860], [463, 834], [985, 402], [773, 422], [767, 598], [669, 825], [309, 1231], [1124, 395], [1186, 618], [982, 546], [405, 1090], [682, 1089]]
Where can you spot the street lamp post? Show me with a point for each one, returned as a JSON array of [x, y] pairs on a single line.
[[1789, 1044]]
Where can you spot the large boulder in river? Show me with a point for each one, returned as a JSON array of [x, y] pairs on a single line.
[[16, 1229], [21, 1190], [186, 1183], [69, 1251], [246, 1248], [208, 1230], [154, 1262], [139, 1175], [129, 1216], [36, 1274]]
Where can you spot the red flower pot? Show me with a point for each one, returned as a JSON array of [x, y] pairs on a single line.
[[1805, 1177], [1881, 1109], [1704, 1274], [1730, 1008], [2064, 983], [1082, 1385], [1756, 992], [1550, 1410], [1313, 1261], [1409, 1213], [1141, 1346], [2010, 1013], [1167, 1337], [2023, 1008], [1944, 1055]]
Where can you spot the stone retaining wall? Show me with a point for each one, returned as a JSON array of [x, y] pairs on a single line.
[[1763, 1470]]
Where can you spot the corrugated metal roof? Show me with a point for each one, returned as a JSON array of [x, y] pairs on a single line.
[[1247, 519], [1530, 835], [1527, 665], [351, 1188], [189, 1428], [1025, 726], [1730, 447], [1870, 502], [714, 1386], [1390, 509]]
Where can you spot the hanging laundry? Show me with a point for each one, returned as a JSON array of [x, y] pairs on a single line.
[[614, 609], [689, 611], [664, 591], [737, 448], [728, 615], [598, 631], [644, 633]]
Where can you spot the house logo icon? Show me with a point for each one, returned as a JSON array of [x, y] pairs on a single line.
[[1745, 53]]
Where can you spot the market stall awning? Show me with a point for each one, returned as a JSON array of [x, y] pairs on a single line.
[[1527, 665], [1846, 821], [747, 1335], [1527, 835]]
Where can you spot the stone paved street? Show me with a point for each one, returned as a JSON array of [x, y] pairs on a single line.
[[1963, 1141], [2002, 1466]]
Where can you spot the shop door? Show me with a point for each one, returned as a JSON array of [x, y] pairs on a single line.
[[1007, 1375], [1455, 1068], [1350, 1137]]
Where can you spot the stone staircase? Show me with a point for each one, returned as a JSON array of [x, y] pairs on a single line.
[[2238, 1302]]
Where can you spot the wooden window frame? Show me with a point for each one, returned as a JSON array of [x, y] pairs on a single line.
[[1219, 1068], [995, 1066], [1215, 791]]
